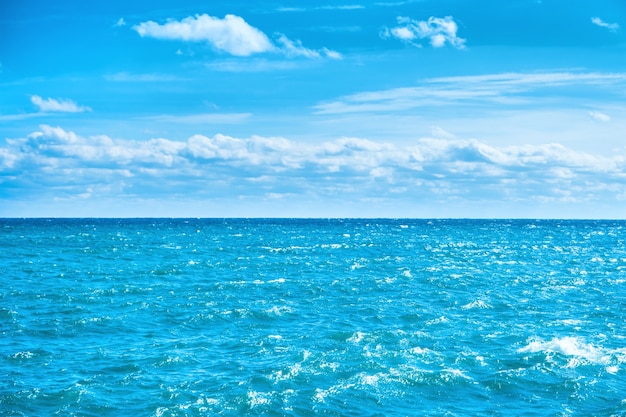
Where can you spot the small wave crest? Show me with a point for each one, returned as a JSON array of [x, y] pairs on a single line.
[[578, 350]]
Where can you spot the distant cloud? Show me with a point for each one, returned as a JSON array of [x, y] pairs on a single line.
[[496, 88], [601, 117], [232, 35], [204, 118], [328, 7], [331, 54], [613, 27], [439, 31], [61, 105], [440, 133], [121, 22], [62, 162], [256, 64], [150, 77], [295, 48]]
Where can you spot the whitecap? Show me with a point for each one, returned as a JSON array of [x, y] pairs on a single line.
[[355, 338], [571, 322], [23, 355], [332, 246], [369, 379], [476, 304], [320, 394], [568, 346], [333, 366], [279, 311], [420, 351], [356, 265], [256, 398], [449, 374], [438, 320]]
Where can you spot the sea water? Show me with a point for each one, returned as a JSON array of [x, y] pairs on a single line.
[[195, 317]]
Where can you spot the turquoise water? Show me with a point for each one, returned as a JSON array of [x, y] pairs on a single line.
[[194, 317]]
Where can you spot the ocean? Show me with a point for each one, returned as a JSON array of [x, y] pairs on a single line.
[[303, 317]]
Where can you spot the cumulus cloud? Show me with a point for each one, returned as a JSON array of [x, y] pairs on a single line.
[[232, 35], [613, 27], [437, 30], [60, 105], [53, 159]]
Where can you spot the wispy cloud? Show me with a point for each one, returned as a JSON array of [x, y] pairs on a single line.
[[613, 27], [147, 77], [121, 22], [232, 35], [601, 117], [326, 7], [507, 88], [62, 161], [396, 3], [57, 105], [204, 118], [252, 65], [438, 31]]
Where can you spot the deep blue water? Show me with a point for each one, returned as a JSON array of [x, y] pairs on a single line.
[[193, 317]]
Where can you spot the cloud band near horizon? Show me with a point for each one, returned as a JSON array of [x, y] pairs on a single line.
[[65, 164]]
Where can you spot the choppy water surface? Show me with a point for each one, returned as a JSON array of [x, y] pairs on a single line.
[[312, 317]]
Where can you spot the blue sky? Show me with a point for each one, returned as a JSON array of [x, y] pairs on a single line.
[[432, 108]]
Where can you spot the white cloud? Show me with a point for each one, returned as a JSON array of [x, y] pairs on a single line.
[[330, 7], [613, 27], [601, 117], [439, 31], [295, 48], [507, 88], [204, 118], [440, 133], [550, 78], [148, 77], [60, 105], [55, 161], [251, 65], [331, 54], [121, 22], [232, 35]]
